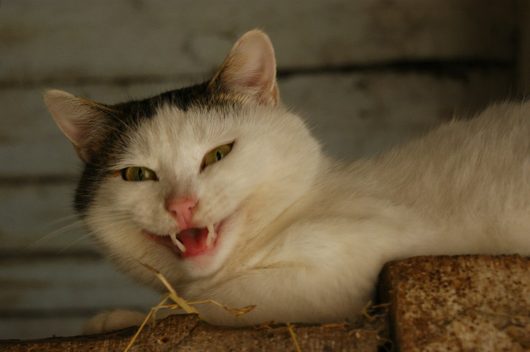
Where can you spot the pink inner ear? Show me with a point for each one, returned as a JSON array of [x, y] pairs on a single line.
[[73, 131], [251, 67], [252, 79]]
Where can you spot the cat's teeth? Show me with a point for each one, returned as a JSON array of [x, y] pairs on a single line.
[[176, 242], [211, 235]]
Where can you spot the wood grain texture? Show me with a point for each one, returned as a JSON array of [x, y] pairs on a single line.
[[465, 303], [39, 217], [35, 326], [188, 333], [104, 40], [524, 47], [55, 295], [354, 114], [67, 284]]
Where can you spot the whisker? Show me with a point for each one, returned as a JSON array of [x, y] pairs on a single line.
[[55, 233], [78, 224], [57, 221], [74, 242]]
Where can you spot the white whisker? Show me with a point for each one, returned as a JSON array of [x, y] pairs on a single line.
[[55, 233], [74, 242], [57, 221]]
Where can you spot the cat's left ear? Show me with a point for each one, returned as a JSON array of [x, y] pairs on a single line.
[[250, 69]]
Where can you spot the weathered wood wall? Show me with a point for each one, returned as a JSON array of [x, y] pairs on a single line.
[[367, 74], [524, 50]]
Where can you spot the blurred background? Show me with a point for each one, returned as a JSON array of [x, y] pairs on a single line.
[[366, 74]]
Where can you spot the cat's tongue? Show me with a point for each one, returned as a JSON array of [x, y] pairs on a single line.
[[195, 240]]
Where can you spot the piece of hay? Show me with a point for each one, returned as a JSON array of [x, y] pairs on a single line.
[[290, 327], [181, 303]]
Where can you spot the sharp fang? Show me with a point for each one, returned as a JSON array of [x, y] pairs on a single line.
[[211, 235], [176, 242]]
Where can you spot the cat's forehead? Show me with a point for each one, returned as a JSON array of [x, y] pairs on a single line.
[[170, 124], [180, 116], [197, 97], [172, 135]]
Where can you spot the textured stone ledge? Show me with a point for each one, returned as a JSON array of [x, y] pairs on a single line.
[[463, 303]]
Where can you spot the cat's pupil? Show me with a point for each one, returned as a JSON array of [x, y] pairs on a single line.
[[140, 174], [218, 155]]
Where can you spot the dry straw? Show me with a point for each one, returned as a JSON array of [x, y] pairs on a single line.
[[188, 307], [181, 303]]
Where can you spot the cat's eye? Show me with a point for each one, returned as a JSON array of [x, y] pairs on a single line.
[[216, 154], [138, 173]]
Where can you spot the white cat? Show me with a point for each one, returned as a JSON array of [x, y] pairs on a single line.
[[227, 194]]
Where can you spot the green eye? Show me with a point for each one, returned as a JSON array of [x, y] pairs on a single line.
[[138, 173], [216, 155]]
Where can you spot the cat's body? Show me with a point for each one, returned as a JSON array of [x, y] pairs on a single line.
[[462, 189], [301, 236]]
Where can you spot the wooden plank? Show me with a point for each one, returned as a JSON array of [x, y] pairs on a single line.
[[34, 328], [62, 291], [188, 333], [465, 303], [45, 297], [67, 40], [37, 217], [524, 48], [360, 115], [355, 114], [67, 284]]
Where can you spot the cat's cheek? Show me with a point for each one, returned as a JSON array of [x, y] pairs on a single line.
[[143, 202]]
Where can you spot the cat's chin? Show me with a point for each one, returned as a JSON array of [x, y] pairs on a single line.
[[190, 243]]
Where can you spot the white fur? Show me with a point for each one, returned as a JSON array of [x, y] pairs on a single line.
[[112, 320], [306, 235]]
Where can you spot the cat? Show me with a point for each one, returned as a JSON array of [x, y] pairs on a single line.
[[225, 191]]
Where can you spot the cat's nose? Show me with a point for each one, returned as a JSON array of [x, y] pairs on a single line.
[[181, 209]]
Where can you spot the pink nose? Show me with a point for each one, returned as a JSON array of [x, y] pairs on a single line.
[[181, 209]]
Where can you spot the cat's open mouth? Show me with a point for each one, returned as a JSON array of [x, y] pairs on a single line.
[[190, 242]]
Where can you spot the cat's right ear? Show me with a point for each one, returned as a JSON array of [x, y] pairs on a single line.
[[79, 119], [249, 70]]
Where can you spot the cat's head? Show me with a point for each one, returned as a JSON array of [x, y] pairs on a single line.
[[184, 180]]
